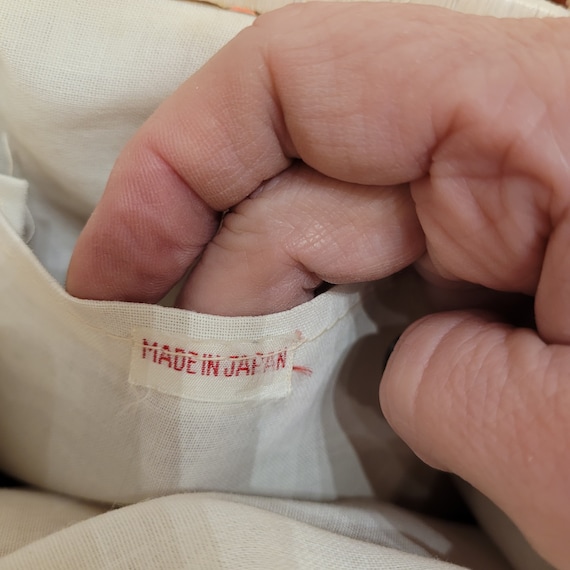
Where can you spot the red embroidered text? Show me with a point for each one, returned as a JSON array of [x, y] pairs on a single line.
[[204, 364]]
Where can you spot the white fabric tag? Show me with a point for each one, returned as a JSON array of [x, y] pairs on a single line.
[[213, 370]]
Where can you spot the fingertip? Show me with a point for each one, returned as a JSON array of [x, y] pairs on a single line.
[[422, 388], [402, 380], [144, 234]]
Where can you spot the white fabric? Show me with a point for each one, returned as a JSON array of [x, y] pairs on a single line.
[[82, 415]]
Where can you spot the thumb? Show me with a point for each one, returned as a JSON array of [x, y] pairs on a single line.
[[490, 403]]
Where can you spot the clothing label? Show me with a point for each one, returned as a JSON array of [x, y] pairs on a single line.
[[213, 370]]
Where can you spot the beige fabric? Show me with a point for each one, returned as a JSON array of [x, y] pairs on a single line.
[[14, 190], [224, 532], [27, 516], [82, 415]]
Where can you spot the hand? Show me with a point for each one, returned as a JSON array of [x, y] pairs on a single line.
[[347, 140]]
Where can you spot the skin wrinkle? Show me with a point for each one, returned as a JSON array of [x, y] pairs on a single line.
[[315, 239], [551, 300], [474, 120], [323, 237], [532, 44], [256, 120], [454, 119], [527, 246], [323, 136], [353, 106], [492, 398], [241, 235], [167, 147], [491, 216], [272, 118], [409, 387], [519, 141], [558, 205], [561, 156], [275, 112], [471, 112], [423, 391], [537, 44], [493, 430], [461, 362], [180, 236], [279, 80], [310, 280], [491, 226], [454, 273], [528, 432], [554, 402], [132, 228], [506, 400]]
